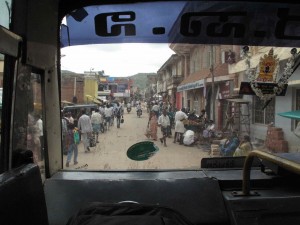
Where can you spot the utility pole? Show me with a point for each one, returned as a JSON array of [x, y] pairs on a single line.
[[212, 81]]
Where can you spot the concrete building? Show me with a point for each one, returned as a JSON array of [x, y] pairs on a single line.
[[261, 118], [207, 82], [169, 77]]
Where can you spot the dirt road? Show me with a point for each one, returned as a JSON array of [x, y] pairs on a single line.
[[110, 153]]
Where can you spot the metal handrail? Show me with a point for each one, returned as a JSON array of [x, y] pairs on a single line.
[[284, 163]]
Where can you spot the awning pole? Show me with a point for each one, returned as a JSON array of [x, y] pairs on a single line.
[[212, 82]]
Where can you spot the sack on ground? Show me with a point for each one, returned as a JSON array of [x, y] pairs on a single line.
[[127, 213]]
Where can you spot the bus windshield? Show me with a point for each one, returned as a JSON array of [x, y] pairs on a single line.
[[189, 99]]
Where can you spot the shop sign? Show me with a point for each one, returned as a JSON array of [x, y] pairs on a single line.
[[224, 90], [266, 89], [119, 94], [105, 92], [191, 86]]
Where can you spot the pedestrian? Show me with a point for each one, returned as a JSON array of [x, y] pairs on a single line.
[[112, 115], [70, 118], [33, 141], [119, 114], [96, 120], [64, 129], [164, 122], [73, 141], [39, 125], [155, 109], [171, 115], [180, 116], [108, 114], [139, 109], [152, 124], [85, 128]]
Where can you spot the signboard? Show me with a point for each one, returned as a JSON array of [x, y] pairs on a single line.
[[268, 68], [224, 90], [122, 87], [266, 88], [111, 79], [190, 86], [119, 94], [105, 92]]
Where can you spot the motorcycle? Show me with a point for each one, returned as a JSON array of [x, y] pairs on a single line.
[[139, 112], [128, 109]]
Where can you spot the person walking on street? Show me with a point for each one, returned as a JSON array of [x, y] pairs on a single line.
[[180, 116], [70, 118], [73, 142], [96, 120], [118, 114], [152, 124], [155, 108], [85, 127], [108, 114], [112, 117], [164, 122], [39, 124], [64, 130]]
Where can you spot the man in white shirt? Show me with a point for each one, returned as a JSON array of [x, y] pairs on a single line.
[[155, 109], [179, 126], [85, 127], [108, 112], [164, 122], [39, 124], [96, 120]]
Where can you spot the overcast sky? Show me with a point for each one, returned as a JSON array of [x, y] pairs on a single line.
[[117, 60]]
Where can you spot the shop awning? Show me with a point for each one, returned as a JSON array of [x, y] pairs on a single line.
[[291, 114]]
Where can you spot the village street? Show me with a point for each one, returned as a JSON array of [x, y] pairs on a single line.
[[110, 153]]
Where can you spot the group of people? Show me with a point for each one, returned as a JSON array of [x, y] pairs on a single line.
[[234, 147], [163, 115], [185, 135], [87, 129]]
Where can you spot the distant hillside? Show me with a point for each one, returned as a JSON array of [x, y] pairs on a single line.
[[140, 79]]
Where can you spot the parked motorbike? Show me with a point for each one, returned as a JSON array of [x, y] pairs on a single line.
[[128, 109]]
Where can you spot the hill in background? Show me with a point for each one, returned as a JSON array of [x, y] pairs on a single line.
[[140, 80]]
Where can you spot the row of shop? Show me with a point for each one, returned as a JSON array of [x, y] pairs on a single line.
[[214, 85]]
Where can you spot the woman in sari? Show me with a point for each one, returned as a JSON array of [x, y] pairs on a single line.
[[244, 148], [152, 124]]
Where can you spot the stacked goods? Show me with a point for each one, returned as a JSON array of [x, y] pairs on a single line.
[[275, 140], [215, 151]]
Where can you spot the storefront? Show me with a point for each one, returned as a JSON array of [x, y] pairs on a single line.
[[194, 95]]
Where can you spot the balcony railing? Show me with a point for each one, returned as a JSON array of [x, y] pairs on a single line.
[[174, 80]]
